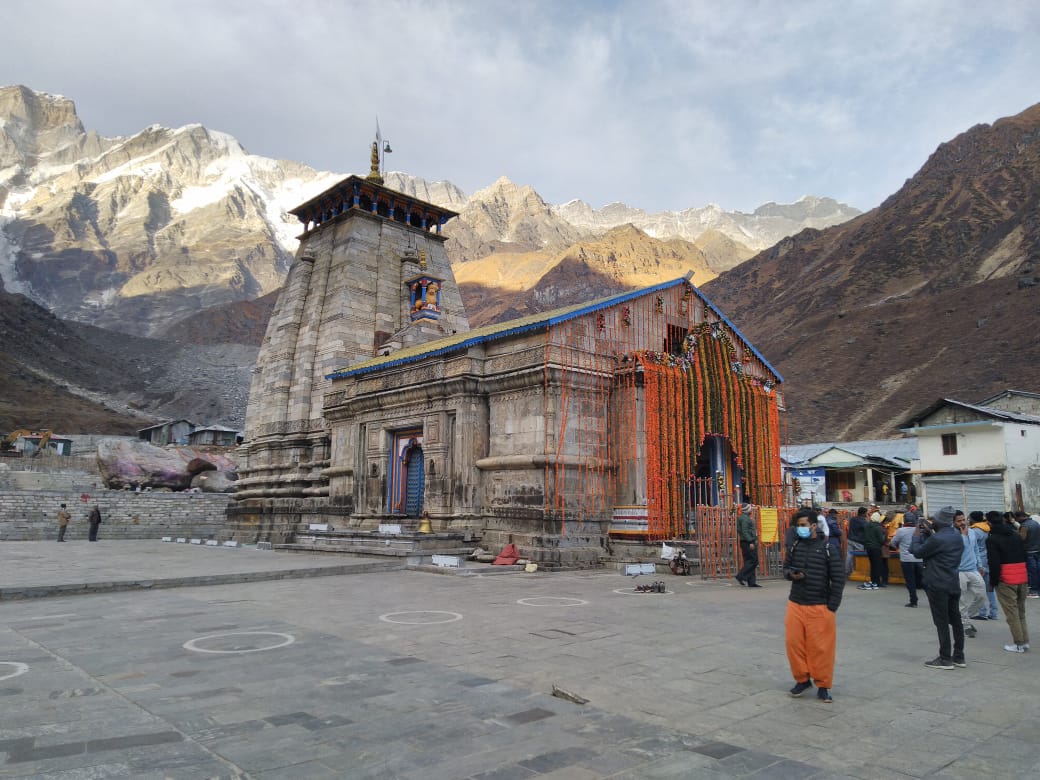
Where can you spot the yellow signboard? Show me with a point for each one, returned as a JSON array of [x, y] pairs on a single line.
[[769, 518]]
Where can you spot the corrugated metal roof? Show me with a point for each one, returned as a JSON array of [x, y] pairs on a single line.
[[905, 449], [164, 424], [531, 323], [987, 411], [1008, 392]]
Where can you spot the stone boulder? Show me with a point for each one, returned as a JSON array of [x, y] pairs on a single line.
[[198, 465], [215, 481], [132, 464]]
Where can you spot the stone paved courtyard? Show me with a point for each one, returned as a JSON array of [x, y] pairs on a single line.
[[406, 674]]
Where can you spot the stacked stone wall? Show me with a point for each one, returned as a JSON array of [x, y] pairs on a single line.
[[73, 482], [30, 515]]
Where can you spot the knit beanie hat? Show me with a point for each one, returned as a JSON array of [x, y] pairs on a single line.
[[945, 516]]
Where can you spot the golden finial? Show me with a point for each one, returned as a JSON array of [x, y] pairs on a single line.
[[374, 174]]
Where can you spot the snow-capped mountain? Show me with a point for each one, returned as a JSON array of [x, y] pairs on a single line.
[[759, 230], [139, 233]]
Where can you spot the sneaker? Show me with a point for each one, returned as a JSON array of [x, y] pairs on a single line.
[[875, 587], [1024, 648], [959, 662], [1013, 648], [978, 617], [865, 586], [800, 688], [911, 604], [754, 585], [824, 695], [942, 663], [970, 632], [1034, 595]]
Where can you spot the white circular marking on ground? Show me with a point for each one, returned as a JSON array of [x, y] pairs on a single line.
[[19, 668], [551, 601], [284, 639], [721, 583], [445, 617], [628, 592]]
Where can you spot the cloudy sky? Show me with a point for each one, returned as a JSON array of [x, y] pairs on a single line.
[[661, 104]]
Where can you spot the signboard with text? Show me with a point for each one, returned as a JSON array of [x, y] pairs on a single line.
[[809, 485]]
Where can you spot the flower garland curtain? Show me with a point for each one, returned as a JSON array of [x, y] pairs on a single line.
[[704, 392]]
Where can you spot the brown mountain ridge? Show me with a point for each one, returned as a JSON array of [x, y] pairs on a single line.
[[934, 293], [504, 285]]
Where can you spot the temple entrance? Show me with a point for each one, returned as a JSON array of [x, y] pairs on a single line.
[[414, 473], [407, 474], [717, 491]]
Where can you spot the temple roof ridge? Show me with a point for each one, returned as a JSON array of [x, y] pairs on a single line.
[[531, 322]]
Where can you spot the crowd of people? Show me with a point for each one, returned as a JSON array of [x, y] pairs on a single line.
[[966, 565]]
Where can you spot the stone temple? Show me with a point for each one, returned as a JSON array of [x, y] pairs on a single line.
[[373, 402]]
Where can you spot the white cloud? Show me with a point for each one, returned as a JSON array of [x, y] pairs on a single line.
[[661, 104]]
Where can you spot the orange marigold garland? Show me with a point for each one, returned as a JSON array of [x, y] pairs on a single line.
[[705, 392]]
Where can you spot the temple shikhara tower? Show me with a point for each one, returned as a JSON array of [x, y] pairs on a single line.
[[373, 402]]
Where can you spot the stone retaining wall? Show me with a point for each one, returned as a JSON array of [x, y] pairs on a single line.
[[72, 482], [30, 515]]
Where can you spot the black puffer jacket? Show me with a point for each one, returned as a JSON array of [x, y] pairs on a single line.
[[941, 553], [857, 525], [824, 573]]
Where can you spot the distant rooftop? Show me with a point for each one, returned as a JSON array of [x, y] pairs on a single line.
[[904, 449], [988, 411]]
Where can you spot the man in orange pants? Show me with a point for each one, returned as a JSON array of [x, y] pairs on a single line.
[[817, 576]]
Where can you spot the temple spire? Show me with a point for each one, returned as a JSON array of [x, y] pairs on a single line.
[[374, 175]]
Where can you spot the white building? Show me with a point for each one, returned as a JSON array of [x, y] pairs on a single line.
[[979, 456], [851, 472]]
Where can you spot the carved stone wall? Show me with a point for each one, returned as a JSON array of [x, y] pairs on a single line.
[[343, 294]]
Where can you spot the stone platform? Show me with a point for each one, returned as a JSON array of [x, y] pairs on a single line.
[[399, 674], [38, 569]]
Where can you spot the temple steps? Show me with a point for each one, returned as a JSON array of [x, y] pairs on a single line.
[[404, 545]]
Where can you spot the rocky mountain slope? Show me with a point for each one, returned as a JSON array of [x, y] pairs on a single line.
[[499, 286], [137, 233], [74, 378], [760, 229], [128, 233], [934, 293]]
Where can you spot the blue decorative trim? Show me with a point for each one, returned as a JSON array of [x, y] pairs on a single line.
[[543, 324]]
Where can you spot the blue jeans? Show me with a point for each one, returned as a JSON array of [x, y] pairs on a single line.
[[1033, 568], [991, 593]]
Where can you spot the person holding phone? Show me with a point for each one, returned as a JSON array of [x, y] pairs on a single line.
[[817, 576]]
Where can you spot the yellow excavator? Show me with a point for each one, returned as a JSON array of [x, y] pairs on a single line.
[[45, 436]]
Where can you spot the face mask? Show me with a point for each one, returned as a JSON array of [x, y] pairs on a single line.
[[803, 531]]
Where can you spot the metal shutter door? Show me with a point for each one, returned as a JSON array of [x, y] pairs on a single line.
[[966, 494], [984, 495]]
